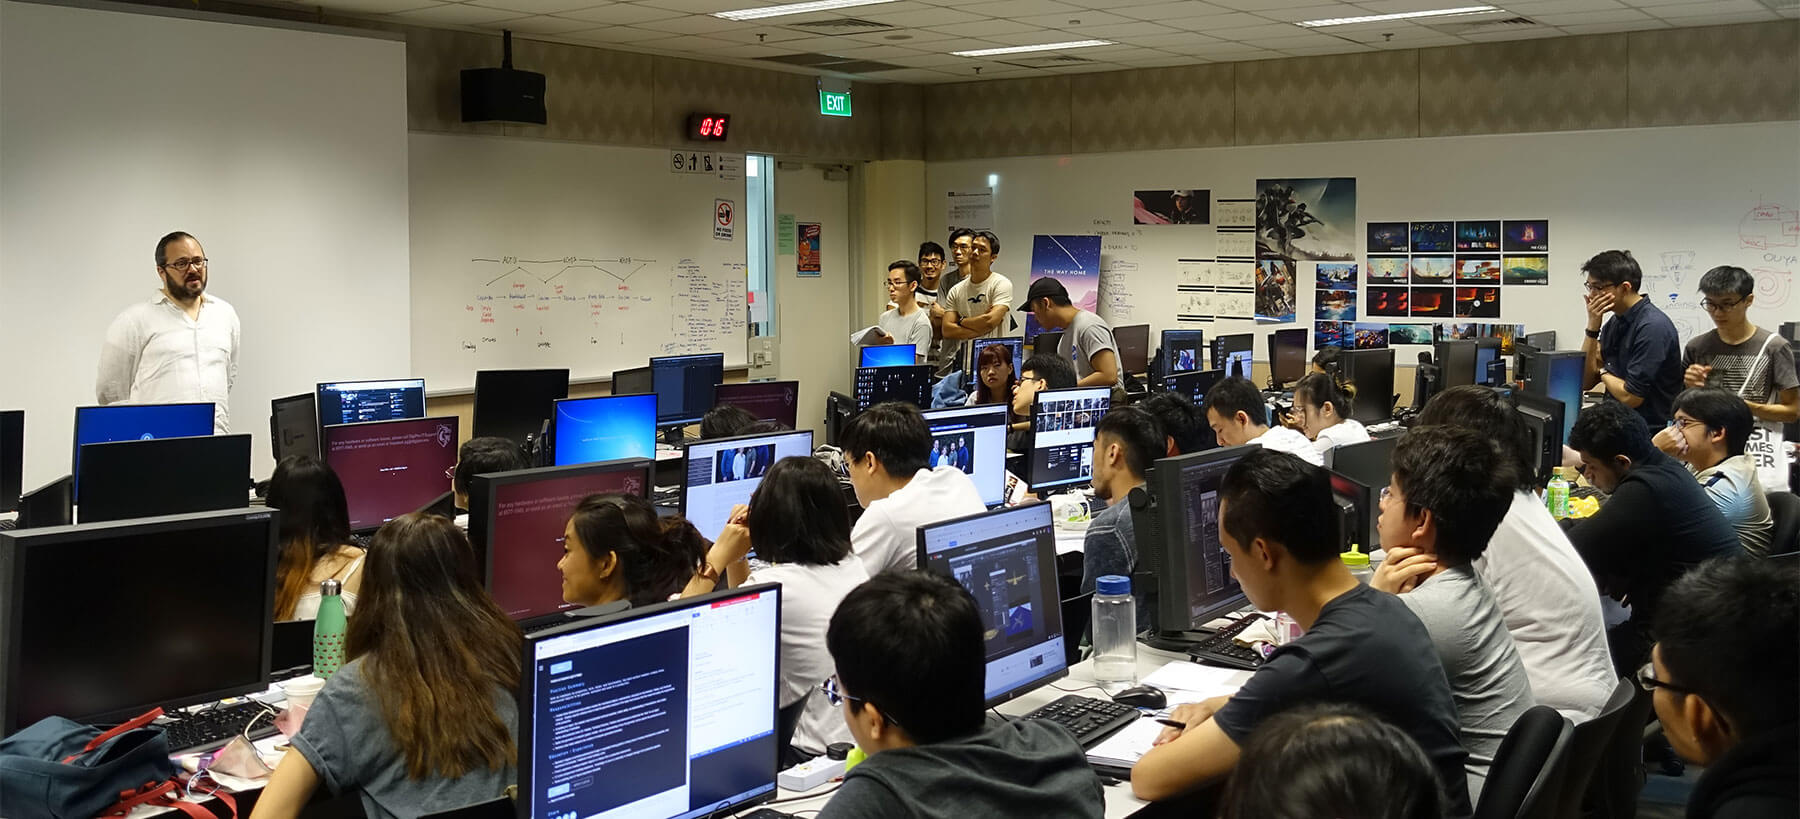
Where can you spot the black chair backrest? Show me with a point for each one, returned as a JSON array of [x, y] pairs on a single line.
[[1520, 781], [497, 808], [1784, 507], [1587, 743], [1619, 776]]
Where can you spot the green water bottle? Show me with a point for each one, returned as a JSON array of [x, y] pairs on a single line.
[[1556, 495], [328, 630]]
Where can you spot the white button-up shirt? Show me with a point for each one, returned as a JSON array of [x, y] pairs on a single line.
[[155, 354]]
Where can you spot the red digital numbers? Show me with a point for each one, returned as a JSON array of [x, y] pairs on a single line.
[[708, 126]]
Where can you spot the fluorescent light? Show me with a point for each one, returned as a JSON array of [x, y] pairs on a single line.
[[794, 8], [1409, 15], [995, 52]]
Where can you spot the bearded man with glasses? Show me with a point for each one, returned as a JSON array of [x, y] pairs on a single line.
[[181, 345]]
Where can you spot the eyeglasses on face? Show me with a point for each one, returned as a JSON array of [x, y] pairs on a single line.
[[1646, 679], [187, 264], [836, 696], [1595, 287], [1711, 306]]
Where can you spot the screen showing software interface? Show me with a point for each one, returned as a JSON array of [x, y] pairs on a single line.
[[525, 542], [1062, 450], [356, 402], [588, 430], [767, 400], [1209, 580], [1182, 352], [972, 439], [684, 385], [666, 716], [876, 385], [1006, 561], [722, 474], [391, 468]]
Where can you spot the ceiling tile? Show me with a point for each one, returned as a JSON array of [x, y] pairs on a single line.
[[1160, 60], [1312, 12], [741, 51], [1506, 35], [1646, 24], [543, 24], [620, 14], [911, 75], [1219, 22], [618, 35], [694, 45], [928, 60], [1119, 31], [1039, 37], [1181, 10], [1216, 50], [1296, 41], [455, 14], [1581, 18], [694, 24], [1364, 7], [761, 35], [864, 51], [913, 19], [1531, 8], [1711, 9], [1644, 4], [1264, 31], [1727, 19], [389, 6], [1018, 8], [1118, 4], [985, 28], [522, 6], [1087, 17], [913, 37], [1267, 5], [704, 6], [1324, 51], [1185, 38]]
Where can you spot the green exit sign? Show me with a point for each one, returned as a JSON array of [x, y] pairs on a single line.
[[834, 104]]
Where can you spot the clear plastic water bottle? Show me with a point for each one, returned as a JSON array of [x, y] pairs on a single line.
[[1556, 495], [1115, 633], [1357, 561], [328, 630]]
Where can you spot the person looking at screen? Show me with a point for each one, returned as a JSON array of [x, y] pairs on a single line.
[[1126, 442], [979, 304], [1236, 412], [908, 647], [1278, 526], [180, 345], [725, 421], [314, 538], [1087, 339], [1324, 412], [994, 378], [1040, 372], [1545, 593], [1332, 759], [1450, 488], [906, 322], [798, 524], [1636, 358], [421, 718], [615, 547], [1184, 426], [480, 456], [886, 450], [1711, 427]]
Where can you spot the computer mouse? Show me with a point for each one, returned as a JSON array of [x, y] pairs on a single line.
[[1142, 696]]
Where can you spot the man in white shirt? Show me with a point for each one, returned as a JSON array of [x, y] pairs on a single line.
[[179, 346], [885, 448], [1236, 412], [907, 323], [979, 303]]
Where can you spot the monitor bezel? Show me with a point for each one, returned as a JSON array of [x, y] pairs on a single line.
[[613, 380], [1000, 412], [684, 418], [319, 391], [682, 495], [75, 445], [1119, 348], [1174, 612], [1352, 362], [325, 449], [1292, 339], [972, 366], [311, 399], [548, 375], [179, 460], [1037, 402], [790, 422], [1165, 355], [12, 459], [862, 356], [556, 416]]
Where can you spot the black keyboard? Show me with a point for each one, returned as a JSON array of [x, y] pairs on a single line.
[[1091, 720], [212, 728], [1221, 649]]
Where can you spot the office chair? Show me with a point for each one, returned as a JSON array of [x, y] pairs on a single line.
[[1784, 507], [497, 808], [1590, 766], [1521, 784]]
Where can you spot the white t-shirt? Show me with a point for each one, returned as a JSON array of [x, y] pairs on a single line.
[[914, 329], [1347, 431], [968, 300], [1290, 440], [1552, 608], [809, 596], [887, 534]]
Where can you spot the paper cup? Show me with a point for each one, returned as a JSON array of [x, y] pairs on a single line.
[[301, 690]]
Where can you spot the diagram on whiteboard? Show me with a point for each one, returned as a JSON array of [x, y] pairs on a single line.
[[517, 304]]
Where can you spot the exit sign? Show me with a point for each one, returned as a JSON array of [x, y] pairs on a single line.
[[834, 104]]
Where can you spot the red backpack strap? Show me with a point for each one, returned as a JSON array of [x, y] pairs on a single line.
[[168, 794], [135, 723]]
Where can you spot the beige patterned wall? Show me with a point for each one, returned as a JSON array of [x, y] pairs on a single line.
[[1560, 84], [1328, 99], [1721, 74], [1184, 107], [1013, 118]]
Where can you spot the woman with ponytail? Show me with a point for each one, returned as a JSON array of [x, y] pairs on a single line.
[[616, 548], [1324, 407], [314, 537]]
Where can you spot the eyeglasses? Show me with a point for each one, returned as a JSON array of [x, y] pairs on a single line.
[[1646, 679], [1681, 424], [896, 285], [1711, 306], [187, 264], [1385, 492], [1595, 287], [836, 696]]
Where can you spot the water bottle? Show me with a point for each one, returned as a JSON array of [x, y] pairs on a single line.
[[1556, 495], [328, 630], [1358, 563], [1115, 633]]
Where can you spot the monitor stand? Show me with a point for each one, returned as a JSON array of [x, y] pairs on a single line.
[[1174, 641], [675, 435]]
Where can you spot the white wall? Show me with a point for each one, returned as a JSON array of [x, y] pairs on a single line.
[[815, 316]]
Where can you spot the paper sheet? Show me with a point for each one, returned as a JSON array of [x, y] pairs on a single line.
[[866, 336], [1184, 681], [1125, 748]]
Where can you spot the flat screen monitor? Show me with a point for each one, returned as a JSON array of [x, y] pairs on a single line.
[[1178, 536], [1007, 560], [607, 428], [635, 381], [135, 422], [359, 402], [972, 439], [1062, 439], [1182, 351], [1543, 418], [1133, 341], [1015, 355], [1372, 373], [142, 643], [163, 476], [12, 458], [1545, 340], [1287, 356], [661, 712], [1557, 374], [1357, 512], [1456, 360], [888, 355], [910, 385], [1369, 462], [1046, 343], [52, 504], [1193, 384], [684, 386], [294, 426], [1232, 353], [514, 404], [390, 468], [516, 522], [777, 401], [721, 473]]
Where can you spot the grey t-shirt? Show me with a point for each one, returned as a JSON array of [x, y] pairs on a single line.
[[1757, 369], [1487, 680], [1110, 547], [348, 744], [1086, 336], [1021, 768]]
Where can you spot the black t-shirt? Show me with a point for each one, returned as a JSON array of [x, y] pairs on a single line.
[[1367, 649]]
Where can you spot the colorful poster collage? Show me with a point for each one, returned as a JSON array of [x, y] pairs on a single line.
[[1441, 270]]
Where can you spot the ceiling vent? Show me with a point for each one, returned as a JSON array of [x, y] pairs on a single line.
[[830, 62], [1048, 61], [841, 25], [1486, 26]]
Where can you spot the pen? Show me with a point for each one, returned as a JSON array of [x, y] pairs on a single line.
[[1179, 726]]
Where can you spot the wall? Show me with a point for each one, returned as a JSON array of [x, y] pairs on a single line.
[[812, 331]]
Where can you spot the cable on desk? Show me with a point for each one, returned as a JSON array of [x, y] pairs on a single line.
[[1083, 688], [829, 792]]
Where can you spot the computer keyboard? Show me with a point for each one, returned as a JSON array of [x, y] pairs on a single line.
[[1091, 720], [1222, 650], [212, 728]]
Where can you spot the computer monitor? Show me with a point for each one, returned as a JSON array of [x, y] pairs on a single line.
[[1543, 416], [1357, 512], [1557, 374], [661, 712], [390, 468], [163, 476], [1133, 341], [1232, 353], [135, 422], [888, 355], [684, 386], [98, 630], [875, 385], [1372, 372], [1007, 560], [1015, 353], [1487, 351], [1287, 356], [294, 426], [635, 381], [514, 404], [1176, 518], [52, 504], [1369, 462], [12, 458], [1062, 440], [972, 439], [516, 522], [1193, 384], [359, 402], [721, 473], [1456, 360], [1182, 351], [777, 401], [1046, 343], [607, 428], [1545, 340]]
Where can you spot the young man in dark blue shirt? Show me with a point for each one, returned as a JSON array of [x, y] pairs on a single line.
[[1637, 355]]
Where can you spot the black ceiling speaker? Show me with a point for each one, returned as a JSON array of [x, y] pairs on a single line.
[[503, 94]]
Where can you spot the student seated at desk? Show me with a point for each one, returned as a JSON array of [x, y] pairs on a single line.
[[1332, 759], [1126, 442], [422, 717], [994, 379], [1236, 412], [1712, 425], [725, 421], [1184, 426], [1277, 524], [479, 456], [1041, 371], [885, 450], [796, 522], [910, 676], [616, 548], [314, 537], [1449, 490], [1323, 406]]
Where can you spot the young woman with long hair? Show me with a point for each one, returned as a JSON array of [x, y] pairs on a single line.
[[314, 537]]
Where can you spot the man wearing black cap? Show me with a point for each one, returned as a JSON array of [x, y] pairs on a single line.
[[1087, 339]]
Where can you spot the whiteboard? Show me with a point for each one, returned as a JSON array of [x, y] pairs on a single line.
[[1683, 200], [531, 253]]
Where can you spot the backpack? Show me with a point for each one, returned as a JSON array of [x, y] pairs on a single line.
[[60, 769]]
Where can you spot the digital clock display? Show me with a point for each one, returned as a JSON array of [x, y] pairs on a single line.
[[708, 127]]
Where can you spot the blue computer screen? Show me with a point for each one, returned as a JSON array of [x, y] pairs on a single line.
[[131, 422], [586, 430], [889, 355]]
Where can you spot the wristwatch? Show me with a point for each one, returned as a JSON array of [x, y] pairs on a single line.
[[1592, 333]]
